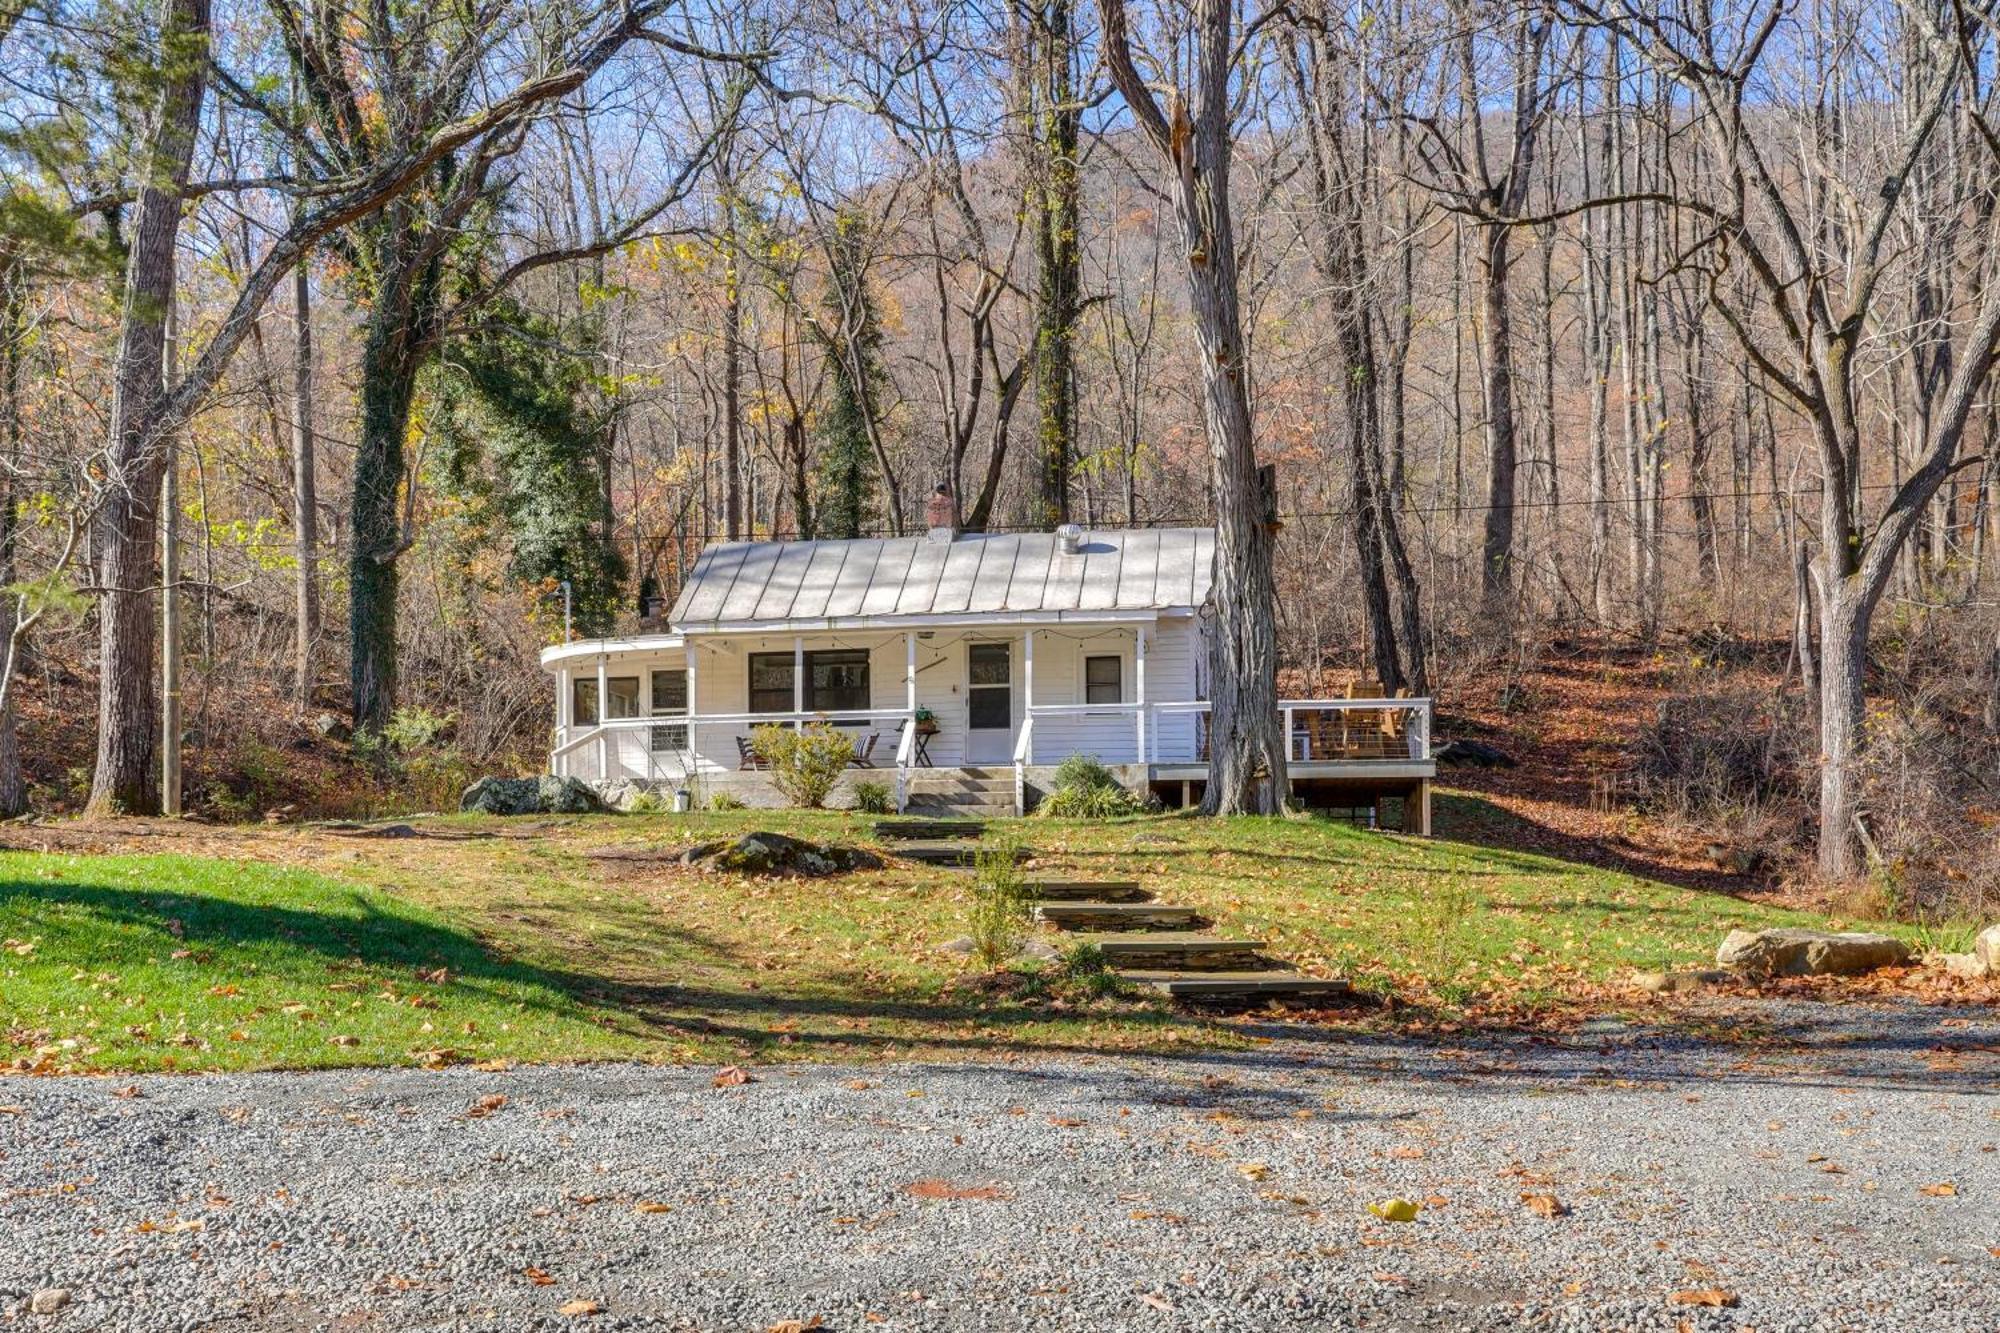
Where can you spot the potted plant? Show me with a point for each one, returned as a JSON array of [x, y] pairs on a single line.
[[926, 722]]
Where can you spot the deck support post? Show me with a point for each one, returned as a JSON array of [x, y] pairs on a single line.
[[1417, 809], [798, 679], [1139, 694]]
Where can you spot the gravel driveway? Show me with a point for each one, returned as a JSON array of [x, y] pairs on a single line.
[[1221, 1191]]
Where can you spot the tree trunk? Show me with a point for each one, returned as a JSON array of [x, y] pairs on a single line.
[[13, 785], [732, 380], [388, 384], [305, 500], [1843, 644], [128, 708], [1058, 252], [1497, 353]]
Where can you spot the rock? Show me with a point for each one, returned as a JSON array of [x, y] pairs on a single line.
[[1792, 952], [778, 854], [330, 728], [1736, 860], [962, 946], [621, 794], [1040, 950], [1464, 753], [48, 1300], [1987, 948], [1673, 982], [545, 795], [1964, 966], [566, 796]]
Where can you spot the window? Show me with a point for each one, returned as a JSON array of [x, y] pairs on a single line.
[[624, 692], [770, 682], [670, 699], [836, 682], [1102, 680]]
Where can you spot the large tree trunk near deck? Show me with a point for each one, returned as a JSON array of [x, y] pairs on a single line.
[[305, 498], [1502, 453], [127, 522]]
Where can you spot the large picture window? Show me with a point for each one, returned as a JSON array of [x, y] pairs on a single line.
[[624, 692], [836, 681], [1103, 680]]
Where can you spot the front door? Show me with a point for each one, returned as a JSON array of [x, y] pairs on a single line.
[[989, 695]]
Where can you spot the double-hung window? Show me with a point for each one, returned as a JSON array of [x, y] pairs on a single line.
[[623, 692], [1103, 680], [669, 699], [836, 681]]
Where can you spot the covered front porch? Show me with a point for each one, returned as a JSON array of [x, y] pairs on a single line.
[[678, 710]]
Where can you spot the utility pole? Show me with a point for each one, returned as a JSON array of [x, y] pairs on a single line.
[[170, 596]]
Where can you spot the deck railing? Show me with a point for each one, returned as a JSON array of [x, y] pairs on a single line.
[[1317, 730]]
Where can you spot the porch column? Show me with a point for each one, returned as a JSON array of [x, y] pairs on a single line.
[[603, 716], [1028, 689], [694, 700], [563, 693], [910, 675], [1139, 692], [798, 678]]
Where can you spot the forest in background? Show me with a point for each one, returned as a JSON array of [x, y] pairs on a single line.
[[1669, 325]]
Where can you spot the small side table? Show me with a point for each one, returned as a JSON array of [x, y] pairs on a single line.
[[923, 756]]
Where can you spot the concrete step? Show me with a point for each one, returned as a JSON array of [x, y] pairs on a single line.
[[933, 788], [929, 829], [1271, 984], [961, 810], [1176, 950], [1055, 889], [961, 854], [1118, 916]]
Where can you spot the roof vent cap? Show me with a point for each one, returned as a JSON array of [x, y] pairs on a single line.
[[1069, 538]]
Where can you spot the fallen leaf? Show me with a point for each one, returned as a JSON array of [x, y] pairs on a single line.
[[127, 1093], [1064, 1122], [486, 1106], [344, 1039], [579, 1307], [499, 1066], [1713, 1297], [731, 1076], [1404, 1152], [932, 1187], [796, 1325], [537, 1276], [858, 1085], [1544, 1205], [1944, 1189], [1395, 1210], [650, 1207], [1160, 1303], [13, 1110], [1252, 1170]]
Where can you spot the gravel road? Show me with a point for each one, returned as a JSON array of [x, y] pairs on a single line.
[[1215, 1192]]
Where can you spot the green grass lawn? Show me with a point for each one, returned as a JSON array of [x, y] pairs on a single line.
[[533, 946]]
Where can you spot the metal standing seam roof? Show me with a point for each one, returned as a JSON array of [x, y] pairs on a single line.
[[1127, 569]]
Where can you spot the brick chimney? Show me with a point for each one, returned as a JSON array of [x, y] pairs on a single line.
[[940, 514]]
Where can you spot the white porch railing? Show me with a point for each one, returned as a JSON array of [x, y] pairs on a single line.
[[708, 743]]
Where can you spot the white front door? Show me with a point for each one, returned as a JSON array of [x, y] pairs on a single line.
[[989, 698]]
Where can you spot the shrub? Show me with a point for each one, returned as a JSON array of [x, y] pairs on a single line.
[[723, 801], [872, 798], [1088, 972], [806, 762], [999, 904], [646, 803], [1086, 789]]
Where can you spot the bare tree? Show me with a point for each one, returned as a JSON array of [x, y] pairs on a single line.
[[1193, 132]]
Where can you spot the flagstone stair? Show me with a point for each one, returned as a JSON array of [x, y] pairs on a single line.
[[1156, 946]]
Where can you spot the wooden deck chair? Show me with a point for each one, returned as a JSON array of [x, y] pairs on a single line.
[[746, 757], [1363, 727], [864, 754]]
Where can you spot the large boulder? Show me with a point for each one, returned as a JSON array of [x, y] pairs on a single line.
[[1467, 753], [1987, 948], [544, 795], [1793, 952], [778, 854]]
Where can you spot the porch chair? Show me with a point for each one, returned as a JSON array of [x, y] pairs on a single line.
[[746, 757], [863, 753]]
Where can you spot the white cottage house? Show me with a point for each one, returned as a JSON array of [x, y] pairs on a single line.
[[965, 666]]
